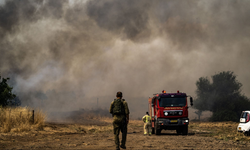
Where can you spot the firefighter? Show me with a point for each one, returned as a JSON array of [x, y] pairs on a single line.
[[147, 124], [120, 112]]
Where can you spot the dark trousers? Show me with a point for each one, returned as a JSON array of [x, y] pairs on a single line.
[[120, 126]]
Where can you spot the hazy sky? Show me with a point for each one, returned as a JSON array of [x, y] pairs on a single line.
[[2, 2], [63, 55]]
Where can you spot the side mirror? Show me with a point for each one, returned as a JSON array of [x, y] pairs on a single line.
[[191, 101]]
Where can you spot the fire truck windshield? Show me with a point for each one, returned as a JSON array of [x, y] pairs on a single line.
[[172, 102]]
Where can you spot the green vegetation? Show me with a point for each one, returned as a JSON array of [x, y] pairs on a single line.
[[6, 94], [222, 96]]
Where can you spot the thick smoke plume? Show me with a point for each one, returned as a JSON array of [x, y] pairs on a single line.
[[66, 55]]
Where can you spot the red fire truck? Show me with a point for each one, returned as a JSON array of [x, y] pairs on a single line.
[[169, 111]]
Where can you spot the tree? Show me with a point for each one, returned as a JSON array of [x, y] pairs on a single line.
[[222, 96], [15, 102], [199, 113], [6, 94]]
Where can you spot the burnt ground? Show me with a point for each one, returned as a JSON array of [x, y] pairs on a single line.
[[99, 135]]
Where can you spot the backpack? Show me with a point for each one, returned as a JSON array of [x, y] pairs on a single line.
[[118, 107]]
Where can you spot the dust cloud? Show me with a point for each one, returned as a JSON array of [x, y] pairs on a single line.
[[68, 55]]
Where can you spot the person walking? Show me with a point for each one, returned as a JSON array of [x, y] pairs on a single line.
[[120, 113], [147, 124]]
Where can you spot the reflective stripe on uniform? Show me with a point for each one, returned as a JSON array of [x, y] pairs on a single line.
[[148, 118]]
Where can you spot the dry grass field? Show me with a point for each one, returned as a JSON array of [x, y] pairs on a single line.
[[219, 130], [95, 132], [20, 119]]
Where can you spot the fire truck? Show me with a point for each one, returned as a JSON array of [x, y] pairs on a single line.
[[169, 111]]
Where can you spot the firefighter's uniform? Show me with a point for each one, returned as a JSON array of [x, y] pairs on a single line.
[[147, 124]]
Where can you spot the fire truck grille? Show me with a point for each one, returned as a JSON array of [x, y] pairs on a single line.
[[173, 113]]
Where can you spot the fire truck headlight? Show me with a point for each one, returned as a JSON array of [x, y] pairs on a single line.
[[186, 121], [166, 113], [180, 113]]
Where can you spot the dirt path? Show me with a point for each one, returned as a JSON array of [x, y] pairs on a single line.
[[78, 136]]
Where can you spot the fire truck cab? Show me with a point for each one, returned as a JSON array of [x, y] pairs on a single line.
[[169, 111]]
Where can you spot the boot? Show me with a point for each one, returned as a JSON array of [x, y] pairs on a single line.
[[123, 146]]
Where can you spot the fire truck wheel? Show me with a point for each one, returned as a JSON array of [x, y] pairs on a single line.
[[178, 131], [185, 130], [157, 131], [153, 130]]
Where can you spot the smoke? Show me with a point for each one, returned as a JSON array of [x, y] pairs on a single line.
[[130, 18], [64, 55]]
